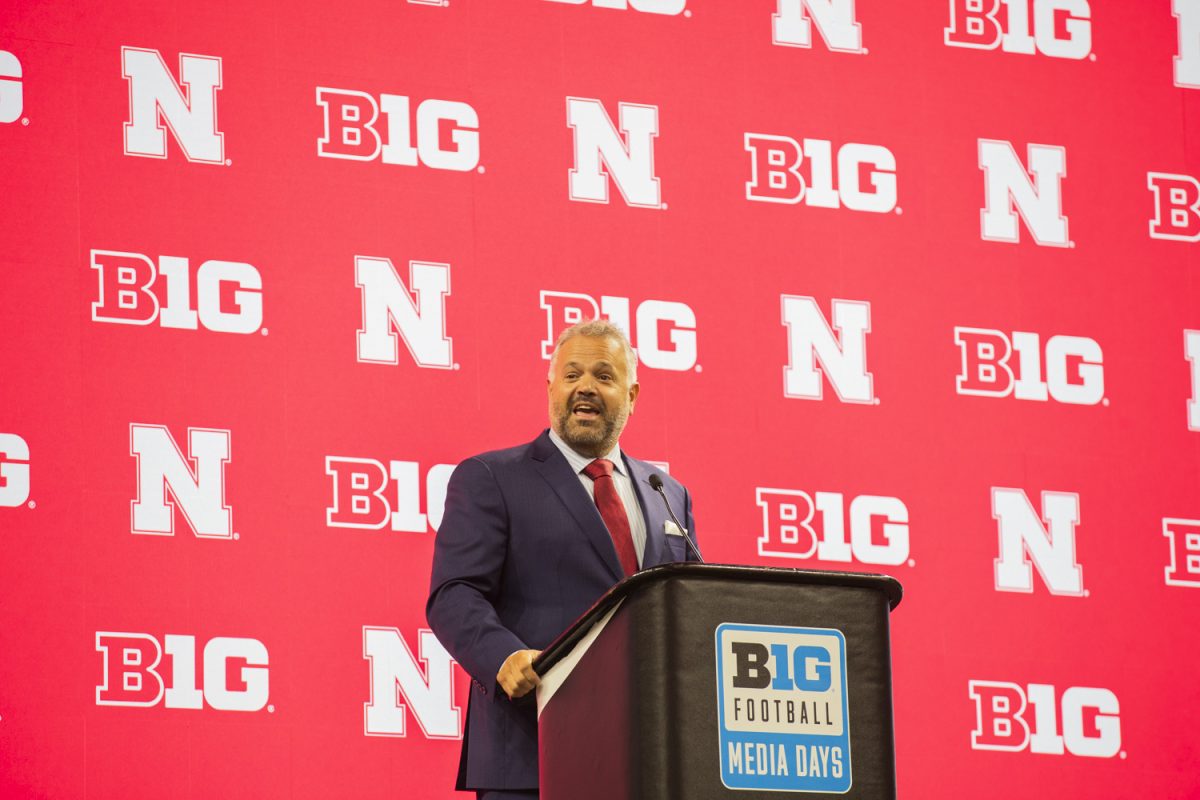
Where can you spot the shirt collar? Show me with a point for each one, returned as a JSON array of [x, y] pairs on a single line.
[[579, 462]]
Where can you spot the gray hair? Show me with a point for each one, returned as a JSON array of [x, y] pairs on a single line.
[[598, 328]]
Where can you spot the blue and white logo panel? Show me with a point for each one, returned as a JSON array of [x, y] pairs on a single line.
[[781, 698]]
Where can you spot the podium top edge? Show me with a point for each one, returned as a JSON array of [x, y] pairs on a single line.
[[886, 584]]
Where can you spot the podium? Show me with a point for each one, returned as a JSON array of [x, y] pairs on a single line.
[[701, 681]]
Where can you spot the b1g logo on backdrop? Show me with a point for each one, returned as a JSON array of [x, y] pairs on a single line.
[[197, 481], [793, 20], [188, 107], [445, 135], [1047, 541], [1176, 207], [879, 533], [133, 290], [133, 675], [603, 152], [775, 175], [843, 356], [784, 720], [663, 333], [389, 307], [396, 676], [1183, 536], [1010, 190], [1187, 62], [666, 7], [14, 470], [1072, 370], [360, 498], [988, 24], [12, 98], [1014, 718]]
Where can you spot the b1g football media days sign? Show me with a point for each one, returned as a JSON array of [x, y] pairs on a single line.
[[784, 721]]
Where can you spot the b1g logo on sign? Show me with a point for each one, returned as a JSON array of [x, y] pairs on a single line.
[[359, 501], [797, 524], [234, 671], [447, 131], [12, 100], [1184, 538], [668, 8], [784, 719], [665, 329], [1057, 28], [1073, 368], [1012, 717], [14, 470], [1176, 207], [775, 173], [133, 290]]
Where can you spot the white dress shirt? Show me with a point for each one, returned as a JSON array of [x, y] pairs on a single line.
[[623, 482]]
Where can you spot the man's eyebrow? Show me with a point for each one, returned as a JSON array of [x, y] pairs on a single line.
[[598, 365]]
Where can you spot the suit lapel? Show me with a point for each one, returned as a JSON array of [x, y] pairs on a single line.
[[554, 468], [653, 511]]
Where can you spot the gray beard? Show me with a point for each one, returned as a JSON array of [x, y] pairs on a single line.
[[594, 441]]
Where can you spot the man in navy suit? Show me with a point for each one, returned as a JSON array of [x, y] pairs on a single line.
[[531, 537]]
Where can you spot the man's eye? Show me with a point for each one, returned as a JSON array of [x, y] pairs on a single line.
[[605, 377], [571, 376]]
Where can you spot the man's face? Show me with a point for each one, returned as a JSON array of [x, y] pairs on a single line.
[[591, 396]]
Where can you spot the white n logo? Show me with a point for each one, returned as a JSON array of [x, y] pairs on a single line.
[[1008, 189], [844, 361], [388, 307], [600, 151], [200, 492], [190, 112], [834, 18], [395, 674], [1187, 63], [1023, 538]]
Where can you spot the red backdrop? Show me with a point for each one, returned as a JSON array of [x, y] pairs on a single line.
[[914, 286]]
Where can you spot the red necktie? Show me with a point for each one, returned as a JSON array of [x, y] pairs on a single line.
[[613, 512]]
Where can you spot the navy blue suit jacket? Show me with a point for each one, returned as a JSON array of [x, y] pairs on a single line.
[[521, 552]]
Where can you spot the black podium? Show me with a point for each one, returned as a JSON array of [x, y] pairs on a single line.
[[703, 681]]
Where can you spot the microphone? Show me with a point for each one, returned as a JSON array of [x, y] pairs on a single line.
[[657, 485]]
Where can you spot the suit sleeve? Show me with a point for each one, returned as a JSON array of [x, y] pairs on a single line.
[[468, 562]]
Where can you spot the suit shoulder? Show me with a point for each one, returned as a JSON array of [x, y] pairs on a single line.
[[505, 457]]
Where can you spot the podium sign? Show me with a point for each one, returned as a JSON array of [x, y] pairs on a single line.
[[781, 697], [701, 681]]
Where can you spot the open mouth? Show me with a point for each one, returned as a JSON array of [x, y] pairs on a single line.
[[585, 411]]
